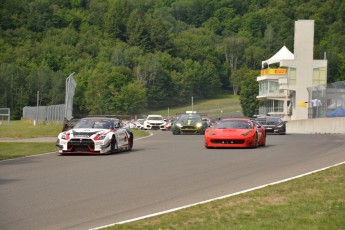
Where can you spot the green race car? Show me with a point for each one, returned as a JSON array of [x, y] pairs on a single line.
[[190, 123]]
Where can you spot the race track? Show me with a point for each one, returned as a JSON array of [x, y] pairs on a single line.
[[162, 172]]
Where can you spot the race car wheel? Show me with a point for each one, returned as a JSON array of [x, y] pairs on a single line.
[[264, 144], [113, 145], [256, 140], [176, 132], [131, 137]]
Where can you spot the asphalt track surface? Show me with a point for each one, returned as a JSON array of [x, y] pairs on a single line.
[[162, 172]]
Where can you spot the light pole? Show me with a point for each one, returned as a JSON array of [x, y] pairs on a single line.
[[37, 108]]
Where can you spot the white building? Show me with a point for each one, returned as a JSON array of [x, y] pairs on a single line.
[[286, 77]]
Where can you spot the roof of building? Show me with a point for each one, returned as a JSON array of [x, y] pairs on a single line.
[[283, 54]]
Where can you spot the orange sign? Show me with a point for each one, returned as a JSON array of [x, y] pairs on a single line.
[[273, 71]]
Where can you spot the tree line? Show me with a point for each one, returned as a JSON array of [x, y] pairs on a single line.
[[131, 56]]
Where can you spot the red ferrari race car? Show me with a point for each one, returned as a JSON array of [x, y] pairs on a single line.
[[235, 133]]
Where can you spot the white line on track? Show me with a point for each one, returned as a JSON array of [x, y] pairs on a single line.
[[217, 198]]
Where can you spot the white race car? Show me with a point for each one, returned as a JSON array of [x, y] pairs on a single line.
[[139, 124], [95, 135], [154, 122]]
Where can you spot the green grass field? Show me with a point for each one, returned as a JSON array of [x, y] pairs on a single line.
[[316, 201], [10, 150], [225, 104], [26, 129]]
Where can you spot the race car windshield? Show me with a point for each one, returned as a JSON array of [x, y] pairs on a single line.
[[233, 124], [193, 117], [93, 124], [156, 118], [273, 119]]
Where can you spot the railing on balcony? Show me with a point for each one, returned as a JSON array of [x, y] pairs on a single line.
[[283, 83]]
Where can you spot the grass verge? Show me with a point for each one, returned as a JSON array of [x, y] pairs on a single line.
[[315, 201], [224, 104], [26, 129], [10, 150]]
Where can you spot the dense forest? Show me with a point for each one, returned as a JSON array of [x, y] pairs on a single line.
[[133, 55]]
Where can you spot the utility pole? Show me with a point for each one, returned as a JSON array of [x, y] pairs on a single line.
[[37, 108], [192, 105]]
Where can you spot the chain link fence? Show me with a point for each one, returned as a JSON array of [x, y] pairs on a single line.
[[327, 100], [44, 113], [5, 114]]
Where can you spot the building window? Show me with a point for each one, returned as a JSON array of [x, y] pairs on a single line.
[[273, 87], [272, 106], [263, 88], [319, 76], [292, 76], [269, 87]]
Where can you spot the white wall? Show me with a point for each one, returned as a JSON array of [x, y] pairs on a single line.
[[332, 125]]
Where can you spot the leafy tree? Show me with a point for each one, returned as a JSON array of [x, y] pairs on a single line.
[[125, 55], [112, 94], [137, 30], [95, 9], [210, 82], [195, 44], [40, 80], [12, 89], [95, 87], [249, 91], [148, 69], [158, 35], [88, 43], [214, 25], [167, 50], [116, 17], [236, 78], [255, 23], [13, 13], [132, 99], [233, 48], [254, 55], [39, 15], [159, 93], [192, 11], [233, 51]]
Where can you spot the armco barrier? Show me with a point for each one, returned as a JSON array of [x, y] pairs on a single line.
[[334, 125]]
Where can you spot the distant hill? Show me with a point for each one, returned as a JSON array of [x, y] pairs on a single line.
[[131, 56]]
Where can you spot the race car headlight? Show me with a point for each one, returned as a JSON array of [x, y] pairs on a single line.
[[246, 133], [199, 125], [63, 136], [210, 133], [178, 125]]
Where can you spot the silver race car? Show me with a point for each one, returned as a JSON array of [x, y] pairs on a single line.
[[95, 135]]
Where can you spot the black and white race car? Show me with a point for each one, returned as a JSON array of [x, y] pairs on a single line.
[[95, 135]]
